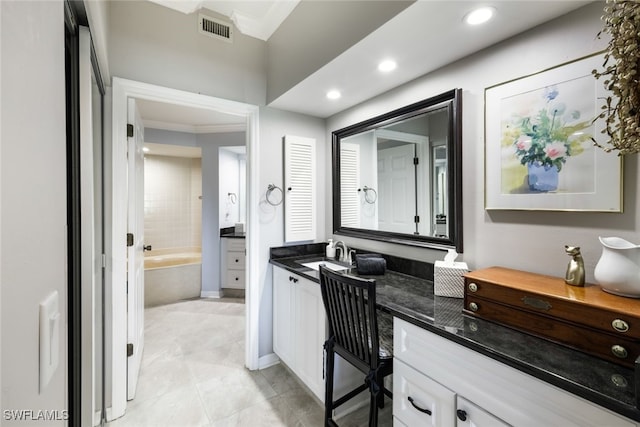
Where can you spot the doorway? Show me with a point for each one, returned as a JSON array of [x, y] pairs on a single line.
[[123, 90]]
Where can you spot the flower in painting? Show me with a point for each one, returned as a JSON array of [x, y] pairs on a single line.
[[555, 150], [547, 135]]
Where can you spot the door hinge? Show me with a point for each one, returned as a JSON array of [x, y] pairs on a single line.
[[129, 350], [416, 219], [129, 239], [416, 161], [103, 259], [129, 130]]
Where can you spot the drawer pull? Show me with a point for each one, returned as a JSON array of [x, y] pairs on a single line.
[[293, 279], [473, 306], [619, 351], [620, 325], [462, 415], [424, 411], [473, 287]]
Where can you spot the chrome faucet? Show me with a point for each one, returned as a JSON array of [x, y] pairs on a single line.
[[345, 252]]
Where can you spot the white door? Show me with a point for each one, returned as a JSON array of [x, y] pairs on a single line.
[[397, 189], [135, 259]]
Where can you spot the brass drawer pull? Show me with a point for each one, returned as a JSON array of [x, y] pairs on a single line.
[[473, 306], [619, 351], [620, 325], [473, 287]]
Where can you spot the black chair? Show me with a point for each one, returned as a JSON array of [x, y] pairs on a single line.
[[360, 334]]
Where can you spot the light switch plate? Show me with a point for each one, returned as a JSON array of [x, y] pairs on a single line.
[[49, 338]]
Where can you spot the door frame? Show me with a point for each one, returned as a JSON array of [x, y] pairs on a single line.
[[122, 90]]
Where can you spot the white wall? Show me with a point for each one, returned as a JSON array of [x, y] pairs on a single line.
[[33, 211], [154, 44], [532, 241], [274, 124]]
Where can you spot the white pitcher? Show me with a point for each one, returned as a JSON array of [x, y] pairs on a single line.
[[618, 270]]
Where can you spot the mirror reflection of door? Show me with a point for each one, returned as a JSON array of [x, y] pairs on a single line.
[[397, 187], [440, 201]]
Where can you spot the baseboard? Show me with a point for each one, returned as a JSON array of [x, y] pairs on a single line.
[[210, 294], [268, 360]]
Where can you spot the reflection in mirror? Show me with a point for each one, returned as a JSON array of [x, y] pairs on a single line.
[[394, 179]]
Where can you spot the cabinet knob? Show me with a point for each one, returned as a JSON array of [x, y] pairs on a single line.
[[473, 306], [292, 279], [619, 351], [472, 287], [237, 260], [620, 325], [462, 415]]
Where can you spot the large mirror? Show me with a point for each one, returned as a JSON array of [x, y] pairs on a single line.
[[397, 177]]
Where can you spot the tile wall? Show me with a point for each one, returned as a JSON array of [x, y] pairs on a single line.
[[172, 203]]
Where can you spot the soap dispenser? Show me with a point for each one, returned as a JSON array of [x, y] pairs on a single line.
[[331, 250]]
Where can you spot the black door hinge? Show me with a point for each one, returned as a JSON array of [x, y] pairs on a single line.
[[129, 239], [416, 161], [129, 350], [416, 219], [129, 131]]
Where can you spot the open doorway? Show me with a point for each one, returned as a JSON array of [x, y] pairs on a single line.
[[123, 90]]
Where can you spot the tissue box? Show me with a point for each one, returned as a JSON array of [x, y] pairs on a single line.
[[448, 280]]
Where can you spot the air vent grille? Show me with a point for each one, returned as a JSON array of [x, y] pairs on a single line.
[[215, 28]]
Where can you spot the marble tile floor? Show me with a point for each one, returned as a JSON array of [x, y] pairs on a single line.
[[192, 374]]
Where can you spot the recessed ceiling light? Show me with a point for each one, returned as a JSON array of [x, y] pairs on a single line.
[[479, 16], [334, 94], [387, 65]]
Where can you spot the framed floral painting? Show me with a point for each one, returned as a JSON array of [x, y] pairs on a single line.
[[539, 152]]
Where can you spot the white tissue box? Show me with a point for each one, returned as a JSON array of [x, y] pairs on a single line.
[[448, 280]]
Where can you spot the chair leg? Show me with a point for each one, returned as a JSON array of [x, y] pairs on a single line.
[[380, 397], [373, 410], [328, 381]]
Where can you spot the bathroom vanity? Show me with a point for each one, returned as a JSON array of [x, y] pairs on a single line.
[[451, 369], [232, 259]]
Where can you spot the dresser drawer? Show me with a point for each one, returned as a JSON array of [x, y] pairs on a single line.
[[235, 245], [420, 401], [235, 279], [235, 260]]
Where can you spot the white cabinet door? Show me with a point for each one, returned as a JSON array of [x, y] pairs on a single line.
[[299, 188], [283, 315], [420, 401], [310, 335], [470, 415]]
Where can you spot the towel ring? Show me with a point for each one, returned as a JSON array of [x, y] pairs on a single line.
[[371, 199], [232, 198], [270, 189]]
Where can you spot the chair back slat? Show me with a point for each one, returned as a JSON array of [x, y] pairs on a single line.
[[350, 306]]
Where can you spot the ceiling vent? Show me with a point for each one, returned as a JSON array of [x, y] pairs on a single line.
[[215, 28]]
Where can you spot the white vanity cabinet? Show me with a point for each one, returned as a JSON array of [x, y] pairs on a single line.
[[460, 387], [233, 262], [299, 332], [299, 327]]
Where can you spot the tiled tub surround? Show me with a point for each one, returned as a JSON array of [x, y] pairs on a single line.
[[411, 298]]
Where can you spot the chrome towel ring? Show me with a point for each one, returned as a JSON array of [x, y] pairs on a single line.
[[269, 196], [370, 194]]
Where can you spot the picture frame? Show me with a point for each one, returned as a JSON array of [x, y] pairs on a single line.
[[539, 154]]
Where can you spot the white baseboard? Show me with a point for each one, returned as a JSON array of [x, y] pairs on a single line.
[[268, 360], [210, 294]]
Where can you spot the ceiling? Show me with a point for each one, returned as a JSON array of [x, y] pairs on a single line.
[[427, 35]]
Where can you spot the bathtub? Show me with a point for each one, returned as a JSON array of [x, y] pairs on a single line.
[[171, 275]]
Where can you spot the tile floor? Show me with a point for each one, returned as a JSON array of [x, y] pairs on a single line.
[[192, 374]]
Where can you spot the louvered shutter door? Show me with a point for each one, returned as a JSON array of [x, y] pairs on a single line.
[[349, 184], [299, 188]]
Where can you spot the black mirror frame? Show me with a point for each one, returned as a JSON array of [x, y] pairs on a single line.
[[452, 99]]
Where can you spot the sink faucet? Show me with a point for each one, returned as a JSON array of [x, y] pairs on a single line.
[[345, 252]]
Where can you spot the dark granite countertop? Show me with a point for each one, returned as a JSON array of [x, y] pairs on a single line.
[[231, 233], [412, 299]]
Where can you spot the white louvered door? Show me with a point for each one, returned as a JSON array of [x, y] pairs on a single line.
[[299, 188]]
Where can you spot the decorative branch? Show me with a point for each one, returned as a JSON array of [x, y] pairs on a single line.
[[622, 72]]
